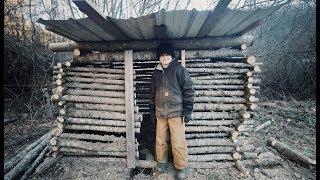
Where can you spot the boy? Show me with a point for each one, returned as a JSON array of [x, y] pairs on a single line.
[[172, 97]]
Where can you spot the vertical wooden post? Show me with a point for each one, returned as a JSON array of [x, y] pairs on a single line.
[[183, 58], [128, 67]]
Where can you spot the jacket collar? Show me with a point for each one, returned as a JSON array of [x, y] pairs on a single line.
[[173, 63]]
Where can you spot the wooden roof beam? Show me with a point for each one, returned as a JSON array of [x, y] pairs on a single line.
[[213, 19], [141, 45], [161, 31], [98, 18]]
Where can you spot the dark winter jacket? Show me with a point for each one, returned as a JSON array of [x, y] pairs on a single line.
[[172, 91]]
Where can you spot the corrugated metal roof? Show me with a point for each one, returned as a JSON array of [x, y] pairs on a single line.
[[179, 23]]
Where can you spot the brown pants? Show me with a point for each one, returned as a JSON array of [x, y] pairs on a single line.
[[178, 141]]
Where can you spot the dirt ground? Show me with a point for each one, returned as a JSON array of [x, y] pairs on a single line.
[[293, 123]]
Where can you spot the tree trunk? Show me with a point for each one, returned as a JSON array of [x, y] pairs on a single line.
[[96, 114], [98, 128], [93, 137], [91, 99], [95, 86], [95, 80], [206, 135], [47, 163], [209, 157], [210, 149], [99, 122], [210, 142], [217, 107]]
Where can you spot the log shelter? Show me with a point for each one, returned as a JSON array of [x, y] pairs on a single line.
[[103, 94]]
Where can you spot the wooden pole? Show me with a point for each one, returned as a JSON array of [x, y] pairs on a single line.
[[129, 103], [183, 58]]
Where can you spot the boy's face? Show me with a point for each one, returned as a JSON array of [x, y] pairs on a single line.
[[165, 59]]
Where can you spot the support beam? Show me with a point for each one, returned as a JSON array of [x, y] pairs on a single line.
[[213, 19], [97, 16], [144, 45], [161, 31], [129, 104]]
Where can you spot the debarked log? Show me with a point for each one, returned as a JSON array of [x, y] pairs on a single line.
[[96, 114], [98, 128], [245, 148], [217, 87], [93, 137], [115, 146], [91, 99], [212, 123], [209, 129], [94, 86], [102, 107], [93, 75], [217, 70], [210, 142], [217, 107], [78, 151], [211, 165], [99, 122], [209, 157], [217, 76], [95, 93], [224, 81], [210, 149], [47, 163], [101, 70], [239, 100], [219, 93], [221, 64], [214, 115], [206, 135], [95, 80]]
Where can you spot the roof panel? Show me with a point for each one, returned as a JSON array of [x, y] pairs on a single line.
[[180, 24]]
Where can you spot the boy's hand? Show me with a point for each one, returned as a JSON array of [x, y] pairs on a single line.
[[187, 118]]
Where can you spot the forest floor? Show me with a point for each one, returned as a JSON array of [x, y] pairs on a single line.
[[293, 123]]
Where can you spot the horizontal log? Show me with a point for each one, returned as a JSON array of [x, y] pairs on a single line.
[[92, 75], [231, 100], [94, 137], [212, 123], [210, 142], [95, 86], [210, 149], [209, 157], [179, 44], [102, 107], [249, 155], [216, 76], [77, 151], [217, 70], [206, 135], [218, 87], [99, 122], [84, 92], [90, 99], [222, 64], [93, 146], [95, 80], [224, 81], [101, 70], [214, 115], [208, 129], [217, 107], [96, 114], [219, 93], [98, 128], [47, 163], [211, 165]]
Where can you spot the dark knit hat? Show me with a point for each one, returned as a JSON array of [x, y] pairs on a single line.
[[165, 48]]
